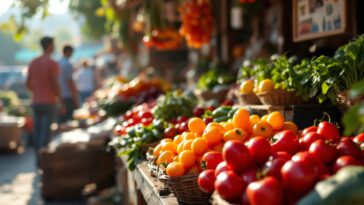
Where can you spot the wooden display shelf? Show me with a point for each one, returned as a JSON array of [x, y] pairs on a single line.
[[139, 187]]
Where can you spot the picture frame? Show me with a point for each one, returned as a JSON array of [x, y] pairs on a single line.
[[319, 18]]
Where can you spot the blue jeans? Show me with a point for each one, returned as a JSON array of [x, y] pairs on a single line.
[[44, 116], [84, 95], [70, 107]]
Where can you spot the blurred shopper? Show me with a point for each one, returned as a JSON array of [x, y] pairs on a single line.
[[85, 81], [42, 81], [68, 88]]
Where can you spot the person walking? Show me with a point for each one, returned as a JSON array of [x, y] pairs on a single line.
[[68, 88], [42, 81], [85, 81]]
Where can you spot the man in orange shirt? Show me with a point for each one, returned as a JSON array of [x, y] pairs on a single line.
[[42, 81]]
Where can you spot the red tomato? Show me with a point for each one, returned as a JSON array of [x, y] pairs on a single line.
[[298, 176], [128, 115], [229, 185], [322, 171], [206, 180], [236, 155], [181, 119], [249, 175], [183, 127], [265, 191], [309, 129], [285, 141], [207, 120], [309, 158], [322, 151], [146, 114], [304, 157], [284, 155], [222, 167], [328, 130], [147, 121], [344, 161], [170, 132], [309, 138], [347, 147], [273, 167], [259, 149], [210, 160], [198, 111], [359, 138]]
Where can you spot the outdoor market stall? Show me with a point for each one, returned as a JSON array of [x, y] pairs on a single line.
[[234, 102]]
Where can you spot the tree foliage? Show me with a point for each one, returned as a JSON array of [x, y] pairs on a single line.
[[94, 25]]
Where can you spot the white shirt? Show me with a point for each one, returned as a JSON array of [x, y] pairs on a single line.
[[84, 79]]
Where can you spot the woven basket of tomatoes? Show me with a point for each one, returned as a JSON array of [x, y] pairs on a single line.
[[186, 189]]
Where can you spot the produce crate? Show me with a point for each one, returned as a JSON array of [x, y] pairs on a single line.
[[65, 173], [10, 133], [76, 159]]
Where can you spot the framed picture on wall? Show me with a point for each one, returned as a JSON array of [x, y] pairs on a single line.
[[319, 18]]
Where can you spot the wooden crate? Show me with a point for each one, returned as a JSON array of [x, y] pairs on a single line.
[[67, 172], [10, 133]]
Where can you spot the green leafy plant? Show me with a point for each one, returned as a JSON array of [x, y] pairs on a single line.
[[131, 144], [353, 119], [214, 78], [174, 104]]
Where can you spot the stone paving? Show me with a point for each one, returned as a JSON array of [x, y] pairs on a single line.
[[19, 183]]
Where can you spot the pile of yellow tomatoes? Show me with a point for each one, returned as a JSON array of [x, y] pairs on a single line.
[[248, 86]]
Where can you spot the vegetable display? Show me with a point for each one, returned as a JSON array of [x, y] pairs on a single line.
[[319, 77], [282, 161]]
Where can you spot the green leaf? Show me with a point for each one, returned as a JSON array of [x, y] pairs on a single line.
[[324, 88], [357, 90], [313, 91], [350, 119]]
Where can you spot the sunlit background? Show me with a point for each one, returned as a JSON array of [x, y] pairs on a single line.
[[61, 23]]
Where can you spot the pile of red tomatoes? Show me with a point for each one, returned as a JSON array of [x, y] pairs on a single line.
[[281, 169], [141, 114]]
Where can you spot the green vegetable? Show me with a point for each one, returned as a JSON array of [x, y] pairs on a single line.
[[172, 105], [345, 187], [214, 78], [116, 107], [132, 143], [221, 111]]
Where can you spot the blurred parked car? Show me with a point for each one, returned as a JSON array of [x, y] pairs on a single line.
[[13, 78]]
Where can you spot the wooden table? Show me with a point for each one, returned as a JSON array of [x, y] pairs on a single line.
[[139, 187]]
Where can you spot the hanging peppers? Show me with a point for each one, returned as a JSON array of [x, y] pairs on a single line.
[[197, 22], [157, 34]]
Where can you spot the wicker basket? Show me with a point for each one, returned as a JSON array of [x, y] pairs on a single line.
[[344, 102], [145, 147], [186, 189], [207, 95], [152, 166], [248, 99], [280, 97]]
